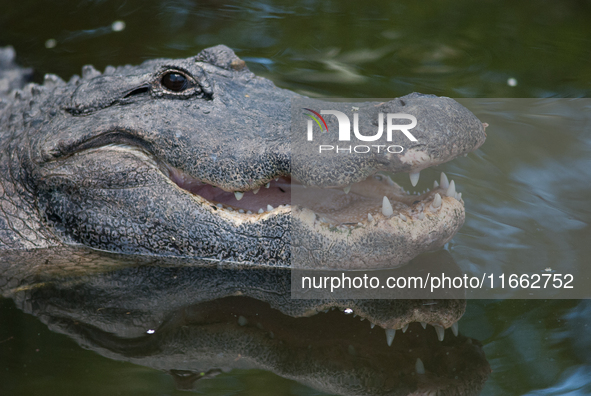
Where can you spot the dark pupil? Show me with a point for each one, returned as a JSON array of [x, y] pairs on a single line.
[[176, 82]]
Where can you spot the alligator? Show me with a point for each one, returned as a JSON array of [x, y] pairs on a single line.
[[199, 321], [192, 158]]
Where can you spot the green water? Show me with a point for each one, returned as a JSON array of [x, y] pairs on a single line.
[[527, 190]]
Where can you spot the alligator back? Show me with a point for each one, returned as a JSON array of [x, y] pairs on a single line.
[[11, 76]]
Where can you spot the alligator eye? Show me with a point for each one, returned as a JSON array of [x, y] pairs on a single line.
[[176, 82]]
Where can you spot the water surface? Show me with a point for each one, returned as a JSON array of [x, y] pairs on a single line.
[[527, 190]]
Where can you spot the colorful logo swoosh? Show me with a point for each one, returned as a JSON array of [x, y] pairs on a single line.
[[316, 119]]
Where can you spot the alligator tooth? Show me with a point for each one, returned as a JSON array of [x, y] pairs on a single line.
[[419, 366], [220, 205], [240, 210], [238, 195], [276, 179], [261, 211], [255, 191], [455, 328], [435, 184], [390, 181], [440, 332], [369, 217], [248, 212], [451, 191], [387, 207], [325, 311], [414, 178], [269, 208], [403, 217], [443, 181], [421, 216], [424, 324], [390, 334], [437, 201], [347, 189], [360, 224], [372, 325], [405, 328], [355, 315], [459, 196], [268, 185]]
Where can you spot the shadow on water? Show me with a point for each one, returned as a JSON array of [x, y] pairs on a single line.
[[196, 321]]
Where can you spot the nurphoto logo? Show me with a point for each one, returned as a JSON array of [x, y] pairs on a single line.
[[345, 131]]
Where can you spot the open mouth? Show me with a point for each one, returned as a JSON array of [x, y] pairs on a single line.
[[376, 198], [274, 194]]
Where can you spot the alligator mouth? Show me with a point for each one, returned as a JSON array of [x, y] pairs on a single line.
[[377, 197], [274, 194]]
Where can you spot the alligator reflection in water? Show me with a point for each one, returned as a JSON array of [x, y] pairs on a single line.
[[198, 321]]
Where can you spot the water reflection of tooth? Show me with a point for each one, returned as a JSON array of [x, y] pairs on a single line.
[[419, 366], [390, 334], [440, 332]]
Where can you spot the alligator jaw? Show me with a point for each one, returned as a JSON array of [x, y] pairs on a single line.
[[377, 198]]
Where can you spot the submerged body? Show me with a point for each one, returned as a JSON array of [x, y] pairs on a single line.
[[192, 158]]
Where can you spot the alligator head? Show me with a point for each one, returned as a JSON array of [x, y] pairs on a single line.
[[192, 158]]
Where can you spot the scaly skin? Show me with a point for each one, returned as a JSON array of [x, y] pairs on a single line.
[[89, 162]]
